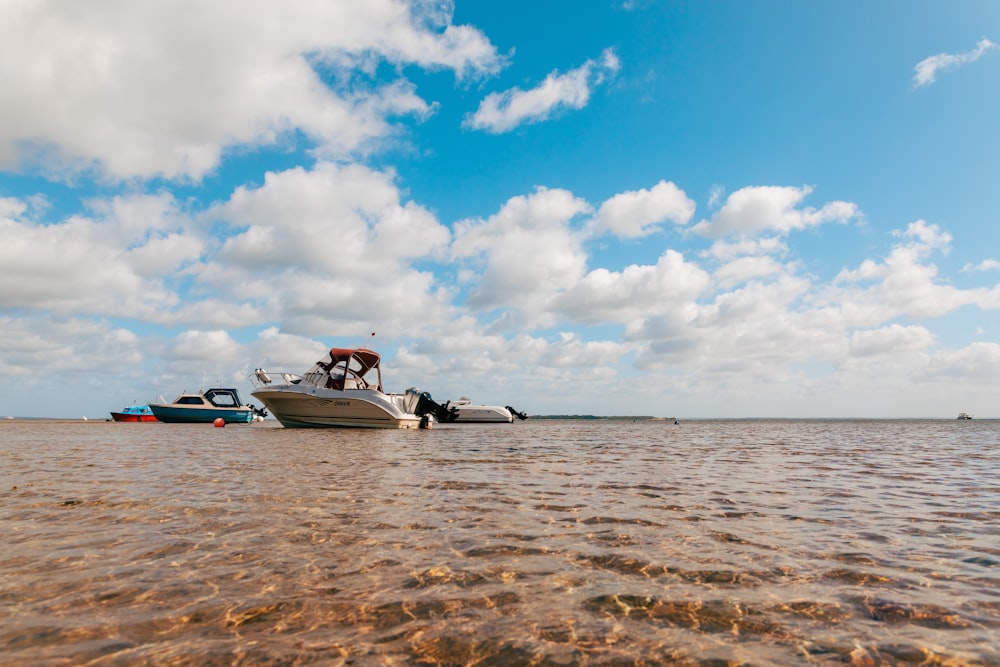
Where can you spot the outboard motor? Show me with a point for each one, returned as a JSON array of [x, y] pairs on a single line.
[[420, 403], [519, 415], [410, 400]]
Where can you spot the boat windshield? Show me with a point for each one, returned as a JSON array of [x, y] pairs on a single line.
[[348, 369], [190, 400], [223, 398]]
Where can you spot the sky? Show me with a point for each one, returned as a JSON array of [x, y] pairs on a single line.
[[709, 209]]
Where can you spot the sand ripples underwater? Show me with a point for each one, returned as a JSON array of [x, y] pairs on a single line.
[[538, 543]]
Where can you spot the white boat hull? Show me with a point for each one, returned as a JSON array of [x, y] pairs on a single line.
[[306, 406], [482, 414]]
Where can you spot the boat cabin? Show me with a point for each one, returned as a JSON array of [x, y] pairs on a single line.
[[347, 369], [136, 410], [219, 398]]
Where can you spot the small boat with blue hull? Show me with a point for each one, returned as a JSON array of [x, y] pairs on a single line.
[[205, 407]]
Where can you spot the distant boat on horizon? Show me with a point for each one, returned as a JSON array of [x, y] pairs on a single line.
[[964, 415]]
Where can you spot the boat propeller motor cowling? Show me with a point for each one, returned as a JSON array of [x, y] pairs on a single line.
[[519, 415], [257, 412], [420, 403]]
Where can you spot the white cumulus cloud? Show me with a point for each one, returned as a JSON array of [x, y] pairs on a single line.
[[891, 339], [639, 212], [637, 291], [117, 261], [331, 250], [977, 361], [526, 252], [903, 284], [926, 71], [755, 209], [985, 265], [502, 112], [161, 88]]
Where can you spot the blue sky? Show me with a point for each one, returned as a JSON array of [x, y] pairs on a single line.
[[692, 209]]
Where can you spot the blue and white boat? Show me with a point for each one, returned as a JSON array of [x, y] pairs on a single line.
[[205, 407]]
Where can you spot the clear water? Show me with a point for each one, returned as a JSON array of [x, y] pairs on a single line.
[[539, 542]]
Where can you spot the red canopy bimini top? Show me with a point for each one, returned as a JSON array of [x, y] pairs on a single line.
[[358, 361]]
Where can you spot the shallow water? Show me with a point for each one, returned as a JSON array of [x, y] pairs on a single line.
[[539, 542]]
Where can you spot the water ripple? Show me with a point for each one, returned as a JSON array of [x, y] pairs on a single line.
[[706, 544]]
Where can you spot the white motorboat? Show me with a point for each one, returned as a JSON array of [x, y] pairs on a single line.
[[484, 414], [344, 388]]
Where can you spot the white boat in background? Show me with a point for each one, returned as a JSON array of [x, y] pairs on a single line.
[[964, 415], [344, 389], [484, 414]]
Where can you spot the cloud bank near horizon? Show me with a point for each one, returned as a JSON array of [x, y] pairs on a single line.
[[346, 258]]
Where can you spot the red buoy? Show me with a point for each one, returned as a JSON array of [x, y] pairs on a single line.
[[219, 422]]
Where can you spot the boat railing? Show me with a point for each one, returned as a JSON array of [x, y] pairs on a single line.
[[319, 378], [262, 378]]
